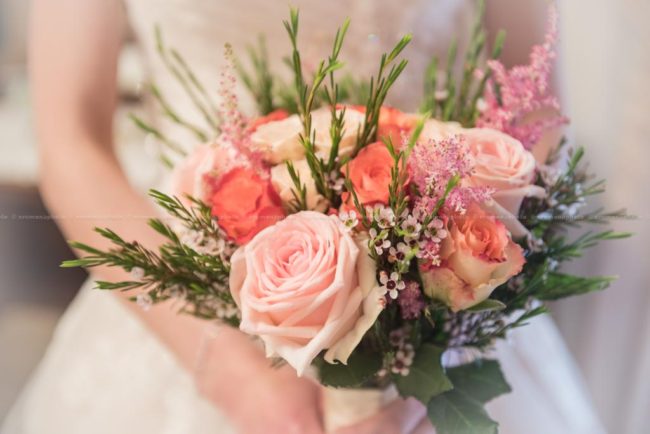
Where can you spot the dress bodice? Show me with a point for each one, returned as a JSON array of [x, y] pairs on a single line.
[[198, 29]]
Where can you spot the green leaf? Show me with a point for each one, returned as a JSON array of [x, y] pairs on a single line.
[[483, 380], [360, 368], [426, 377], [558, 285], [460, 411], [455, 413], [487, 305]]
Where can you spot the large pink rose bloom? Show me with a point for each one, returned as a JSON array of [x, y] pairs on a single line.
[[503, 164], [478, 255], [304, 286]]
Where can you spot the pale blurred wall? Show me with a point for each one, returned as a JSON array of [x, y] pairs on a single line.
[[606, 47]]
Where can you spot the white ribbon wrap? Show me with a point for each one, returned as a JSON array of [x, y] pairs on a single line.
[[344, 407]]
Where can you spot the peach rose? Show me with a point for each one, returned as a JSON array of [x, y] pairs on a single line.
[[439, 130], [279, 140], [321, 121], [304, 286], [502, 163], [284, 185], [478, 255], [244, 204], [370, 174]]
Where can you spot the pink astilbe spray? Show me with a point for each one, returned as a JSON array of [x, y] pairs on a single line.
[[512, 95], [431, 166], [235, 136]]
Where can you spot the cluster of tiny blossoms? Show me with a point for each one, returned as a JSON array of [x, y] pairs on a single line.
[[400, 362], [432, 165], [394, 242], [523, 90]]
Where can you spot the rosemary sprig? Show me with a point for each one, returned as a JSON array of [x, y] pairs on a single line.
[[260, 82], [180, 70], [307, 95], [378, 90]]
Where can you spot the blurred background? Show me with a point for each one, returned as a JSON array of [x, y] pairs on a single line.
[[606, 51]]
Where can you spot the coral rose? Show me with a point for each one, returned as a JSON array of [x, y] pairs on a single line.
[[244, 204], [370, 174], [395, 125], [502, 163], [304, 286], [275, 115], [478, 255]]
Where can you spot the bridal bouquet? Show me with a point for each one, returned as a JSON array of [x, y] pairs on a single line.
[[370, 247]]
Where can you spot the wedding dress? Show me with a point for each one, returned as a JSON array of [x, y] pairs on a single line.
[[106, 373]]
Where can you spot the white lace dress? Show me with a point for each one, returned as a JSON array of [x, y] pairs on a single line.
[[106, 373]]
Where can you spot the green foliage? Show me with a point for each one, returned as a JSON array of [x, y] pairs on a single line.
[[176, 270], [307, 97], [488, 306], [459, 101], [460, 410], [378, 90], [559, 285], [426, 377], [360, 369], [261, 81], [180, 70]]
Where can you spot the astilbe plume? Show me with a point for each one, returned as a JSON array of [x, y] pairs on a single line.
[[432, 165], [235, 136], [516, 93]]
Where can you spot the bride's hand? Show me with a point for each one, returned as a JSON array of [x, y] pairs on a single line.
[[400, 417], [257, 398]]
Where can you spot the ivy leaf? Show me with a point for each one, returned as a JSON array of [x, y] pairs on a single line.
[[558, 285], [426, 377], [460, 411], [487, 305], [361, 367]]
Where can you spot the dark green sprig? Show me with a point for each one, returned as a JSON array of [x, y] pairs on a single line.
[[261, 81], [175, 117], [175, 270], [378, 90], [150, 129], [459, 101], [299, 191], [181, 71], [307, 95]]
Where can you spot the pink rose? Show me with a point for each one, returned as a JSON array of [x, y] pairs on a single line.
[[305, 286], [478, 255], [189, 177], [244, 204], [502, 163], [370, 174]]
